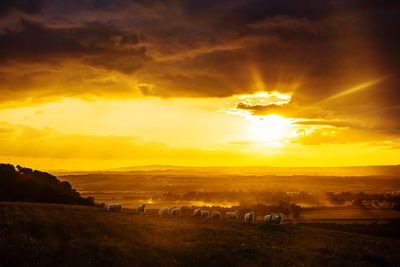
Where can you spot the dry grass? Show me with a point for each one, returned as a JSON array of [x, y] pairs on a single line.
[[61, 235]]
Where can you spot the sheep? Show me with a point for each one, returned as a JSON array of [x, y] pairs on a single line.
[[113, 207], [250, 217], [204, 213], [279, 218], [163, 212], [267, 218], [216, 215], [140, 208], [197, 212], [175, 211], [273, 218], [232, 215]]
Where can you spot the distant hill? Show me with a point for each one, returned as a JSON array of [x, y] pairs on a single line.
[[377, 170], [24, 184]]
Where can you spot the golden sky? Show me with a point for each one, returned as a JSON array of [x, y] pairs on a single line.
[[104, 84]]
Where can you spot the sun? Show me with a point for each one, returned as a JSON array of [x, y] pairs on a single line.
[[270, 129]]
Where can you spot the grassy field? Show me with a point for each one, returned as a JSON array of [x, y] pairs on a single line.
[[62, 235], [349, 213]]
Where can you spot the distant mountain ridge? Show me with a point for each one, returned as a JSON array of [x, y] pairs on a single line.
[[376, 170]]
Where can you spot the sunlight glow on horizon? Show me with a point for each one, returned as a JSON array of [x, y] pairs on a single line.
[[78, 134]]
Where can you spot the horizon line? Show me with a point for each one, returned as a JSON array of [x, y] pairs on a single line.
[[166, 166]]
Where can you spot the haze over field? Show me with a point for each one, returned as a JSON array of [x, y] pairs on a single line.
[[159, 186]]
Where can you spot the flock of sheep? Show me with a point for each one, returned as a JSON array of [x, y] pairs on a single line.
[[250, 217]]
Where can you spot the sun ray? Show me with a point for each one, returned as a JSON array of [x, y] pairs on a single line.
[[356, 88]]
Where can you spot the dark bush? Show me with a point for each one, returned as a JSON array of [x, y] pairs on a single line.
[[24, 184]]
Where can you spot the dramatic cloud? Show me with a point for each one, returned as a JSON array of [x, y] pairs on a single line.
[[25, 6], [330, 68], [209, 48], [94, 44]]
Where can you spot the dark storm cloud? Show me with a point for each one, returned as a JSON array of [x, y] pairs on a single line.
[[94, 43], [310, 115], [208, 48], [264, 109], [26, 6]]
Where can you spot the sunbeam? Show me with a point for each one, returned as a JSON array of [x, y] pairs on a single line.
[[357, 88]]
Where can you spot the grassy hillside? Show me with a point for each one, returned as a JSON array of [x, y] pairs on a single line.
[[61, 235]]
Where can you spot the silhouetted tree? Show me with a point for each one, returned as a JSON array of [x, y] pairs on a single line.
[[24, 184], [295, 210]]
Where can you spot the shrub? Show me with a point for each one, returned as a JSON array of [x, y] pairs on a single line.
[[24, 184]]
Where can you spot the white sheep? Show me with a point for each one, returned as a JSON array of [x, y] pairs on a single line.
[[216, 215], [274, 218], [232, 215], [197, 212], [113, 207], [163, 212], [140, 208], [250, 217], [175, 211], [204, 213]]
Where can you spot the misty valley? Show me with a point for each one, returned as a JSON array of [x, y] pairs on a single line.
[[319, 197]]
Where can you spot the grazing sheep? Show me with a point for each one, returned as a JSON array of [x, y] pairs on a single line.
[[197, 212], [163, 212], [250, 217], [274, 218], [175, 211], [140, 208], [204, 213], [113, 207], [232, 215], [278, 218], [216, 215]]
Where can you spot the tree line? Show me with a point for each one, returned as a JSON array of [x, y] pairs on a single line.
[[24, 184]]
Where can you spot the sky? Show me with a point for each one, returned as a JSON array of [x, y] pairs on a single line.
[[98, 84]]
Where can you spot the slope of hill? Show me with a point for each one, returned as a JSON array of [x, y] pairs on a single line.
[[65, 235], [24, 184]]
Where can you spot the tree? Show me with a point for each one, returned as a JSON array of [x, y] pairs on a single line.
[[24, 184], [295, 210]]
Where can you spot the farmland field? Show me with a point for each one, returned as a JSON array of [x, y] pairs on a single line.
[[66, 235], [158, 188]]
